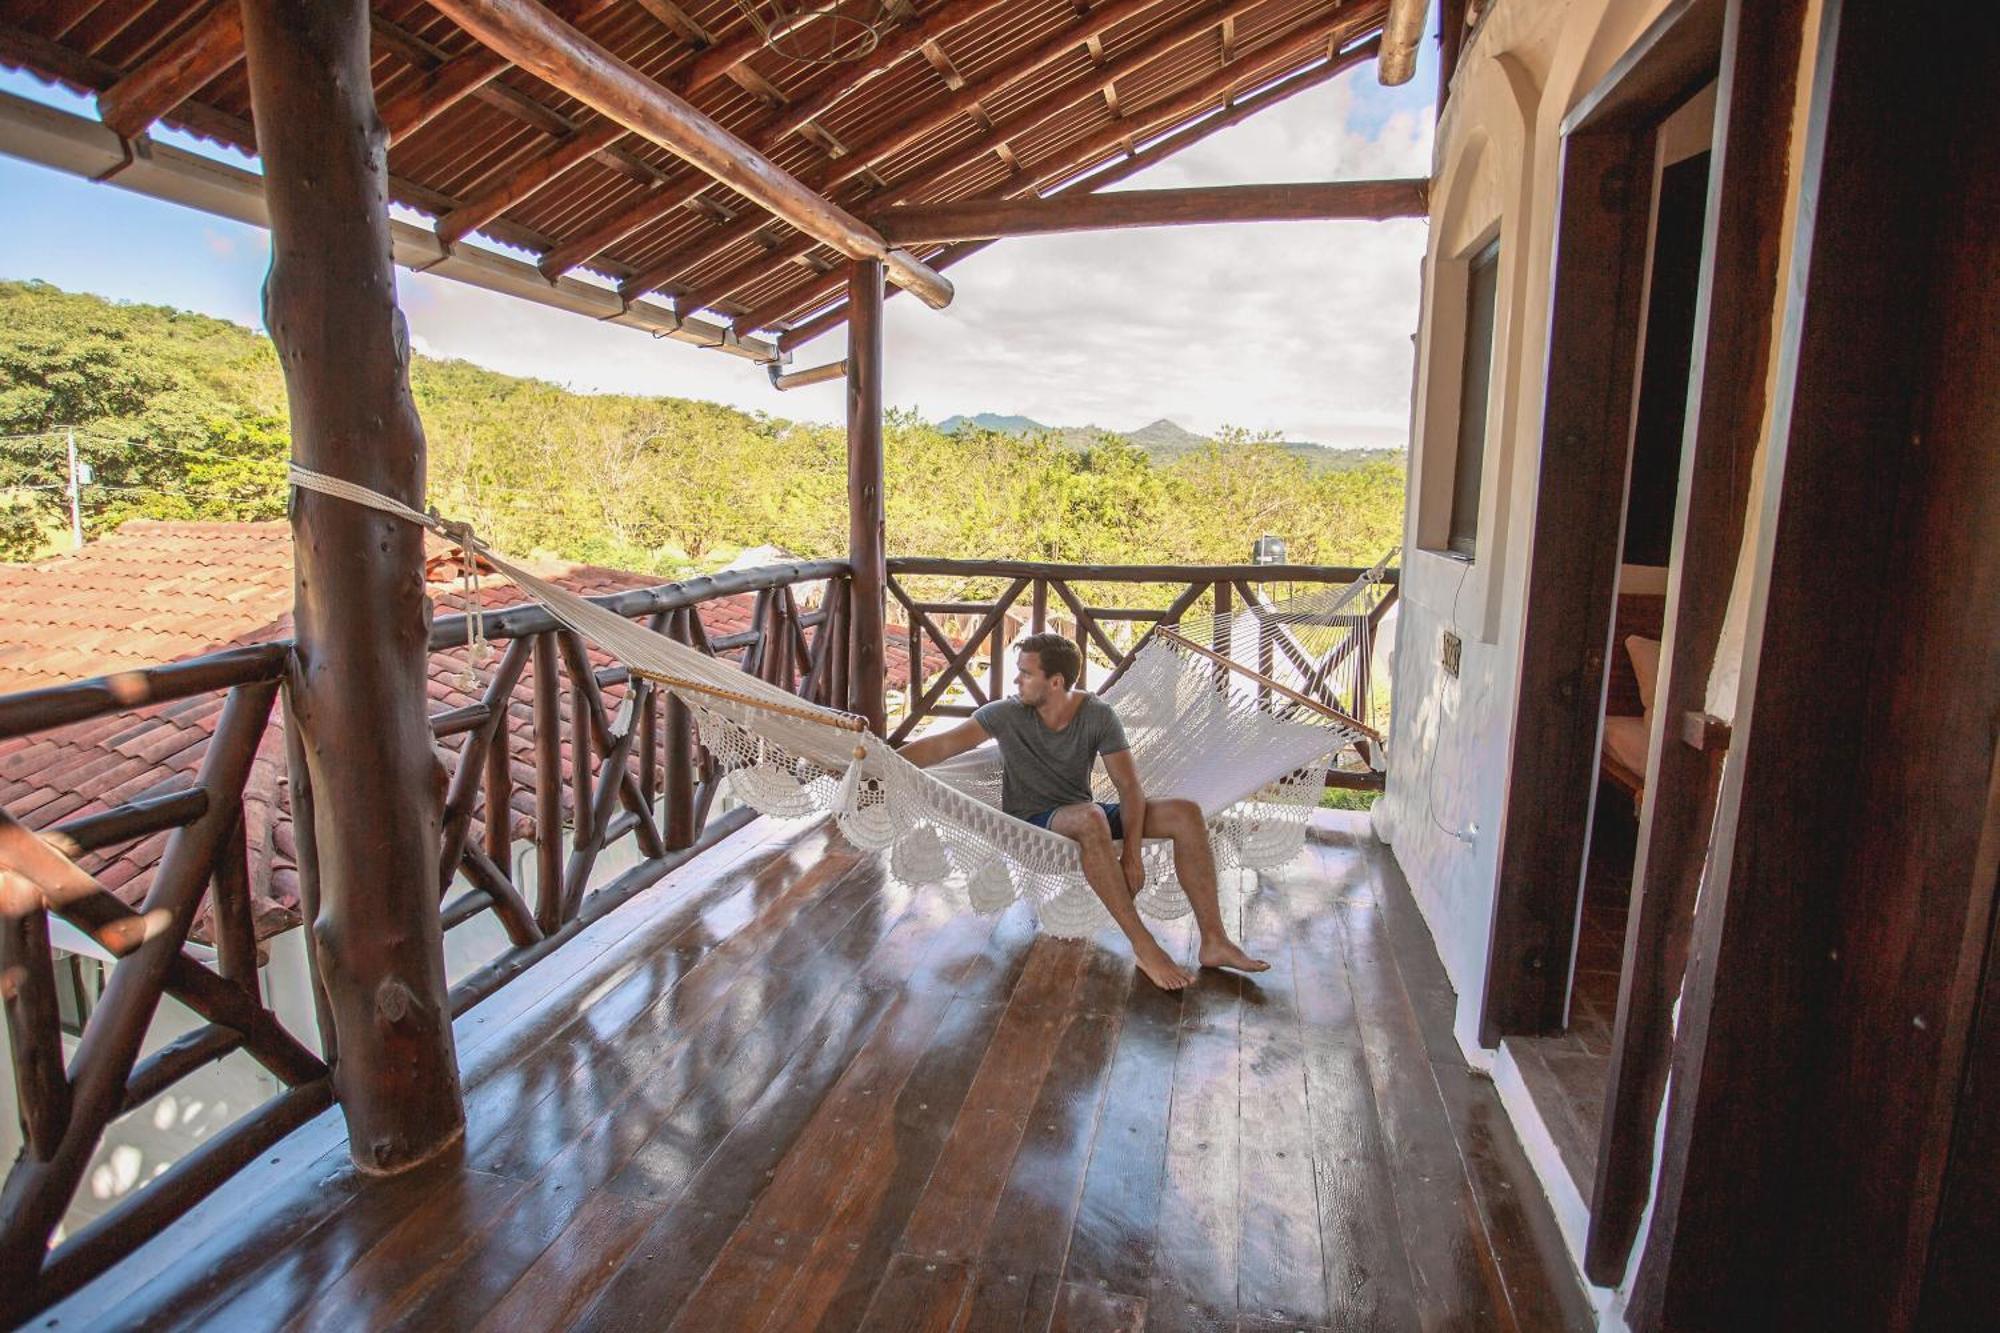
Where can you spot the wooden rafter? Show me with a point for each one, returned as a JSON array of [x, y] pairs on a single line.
[[1267, 62], [1401, 32], [1023, 121], [561, 56], [766, 133], [895, 138], [1185, 136]]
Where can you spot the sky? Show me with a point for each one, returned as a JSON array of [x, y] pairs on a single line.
[[1300, 329]]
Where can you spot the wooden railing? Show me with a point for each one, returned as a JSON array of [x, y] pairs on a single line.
[[630, 752], [614, 725], [633, 773], [1108, 610]]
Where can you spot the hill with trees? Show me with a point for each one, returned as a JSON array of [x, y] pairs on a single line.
[[179, 415]]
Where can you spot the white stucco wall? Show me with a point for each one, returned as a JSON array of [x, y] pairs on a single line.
[[1498, 151]]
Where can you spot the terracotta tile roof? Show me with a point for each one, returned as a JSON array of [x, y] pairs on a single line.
[[189, 588], [150, 592]]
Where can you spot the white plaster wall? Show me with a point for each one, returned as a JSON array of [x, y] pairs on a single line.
[[1496, 169]]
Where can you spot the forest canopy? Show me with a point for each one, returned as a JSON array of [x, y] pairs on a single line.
[[178, 415]]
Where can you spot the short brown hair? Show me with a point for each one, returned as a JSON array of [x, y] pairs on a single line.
[[1056, 655]]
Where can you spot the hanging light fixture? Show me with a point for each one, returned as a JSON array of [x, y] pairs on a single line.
[[819, 32]]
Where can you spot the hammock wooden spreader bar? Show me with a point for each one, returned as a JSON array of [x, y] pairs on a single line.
[[825, 717], [1325, 710]]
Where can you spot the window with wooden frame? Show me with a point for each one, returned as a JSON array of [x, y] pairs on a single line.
[[1482, 284]]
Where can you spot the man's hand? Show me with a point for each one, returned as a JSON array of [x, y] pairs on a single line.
[[1132, 814]]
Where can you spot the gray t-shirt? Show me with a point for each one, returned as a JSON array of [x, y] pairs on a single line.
[[1043, 770]]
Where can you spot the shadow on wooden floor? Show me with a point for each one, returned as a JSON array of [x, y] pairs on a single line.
[[780, 1092]]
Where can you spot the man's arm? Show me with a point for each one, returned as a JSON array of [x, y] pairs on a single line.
[[935, 749], [1131, 812]]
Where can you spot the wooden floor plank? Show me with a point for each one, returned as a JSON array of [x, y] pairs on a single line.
[[420, 1251], [567, 1272], [1456, 1282], [795, 1208], [838, 1276], [1037, 1207], [1087, 1309], [998, 1302], [1527, 1246], [1280, 1270], [1193, 1282], [952, 1217], [1368, 1284], [271, 1287], [917, 1295], [1117, 1218]]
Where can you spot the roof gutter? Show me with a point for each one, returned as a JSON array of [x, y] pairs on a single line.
[[82, 147]]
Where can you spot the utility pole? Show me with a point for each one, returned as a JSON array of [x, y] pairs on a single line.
[[75, 495]]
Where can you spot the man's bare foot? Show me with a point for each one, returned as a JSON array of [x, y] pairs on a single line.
[[1160, 969], [1228, 954]]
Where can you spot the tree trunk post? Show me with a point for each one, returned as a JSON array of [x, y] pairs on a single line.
[[867, 612], [358, 677]]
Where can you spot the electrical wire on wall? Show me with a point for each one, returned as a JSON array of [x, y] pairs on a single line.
[[1470, 833]]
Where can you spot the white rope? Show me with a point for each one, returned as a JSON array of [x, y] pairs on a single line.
[[1255, 764]]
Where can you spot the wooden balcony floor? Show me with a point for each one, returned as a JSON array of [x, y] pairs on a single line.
[[775, 1092]]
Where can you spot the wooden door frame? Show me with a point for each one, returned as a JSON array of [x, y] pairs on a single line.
[[1604, 202], [1726, 387], [1819, 1070]]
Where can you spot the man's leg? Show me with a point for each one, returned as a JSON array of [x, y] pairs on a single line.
[[1087, 825], [1194, 865]]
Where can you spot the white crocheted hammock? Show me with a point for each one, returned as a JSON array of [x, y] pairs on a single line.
[[1250, 750]]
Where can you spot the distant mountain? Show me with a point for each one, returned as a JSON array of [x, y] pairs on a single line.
[[1164, 440], [993, 421]]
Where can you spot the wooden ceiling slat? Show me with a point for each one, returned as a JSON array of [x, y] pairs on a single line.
[[530, 35], [771, 131]]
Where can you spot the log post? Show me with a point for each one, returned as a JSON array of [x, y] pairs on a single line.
[[867, 613], [363, 624]]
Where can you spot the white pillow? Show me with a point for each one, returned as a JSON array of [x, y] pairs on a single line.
[[1645, 655]]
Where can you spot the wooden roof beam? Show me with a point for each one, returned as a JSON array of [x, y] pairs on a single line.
[[559, 55], [1319, 201], [769, 132], [1224, 81], [860, 160], [1401, 31], [203, 50], [1176, 140]]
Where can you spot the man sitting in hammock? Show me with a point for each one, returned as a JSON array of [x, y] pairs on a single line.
[[1050, 734]]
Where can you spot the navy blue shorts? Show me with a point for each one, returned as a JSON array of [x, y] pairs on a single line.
[[1110, 809]]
